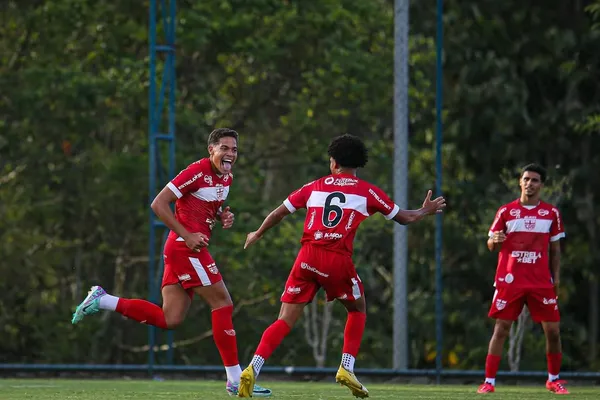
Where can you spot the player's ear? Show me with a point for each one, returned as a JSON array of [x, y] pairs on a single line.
[[210, 149]]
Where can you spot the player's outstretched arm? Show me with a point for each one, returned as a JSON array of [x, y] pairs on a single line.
[[429, 207], [270, 221]]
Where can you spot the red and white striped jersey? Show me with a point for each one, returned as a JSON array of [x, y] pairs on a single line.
[[200, 193], [336, 205], [523, 258]]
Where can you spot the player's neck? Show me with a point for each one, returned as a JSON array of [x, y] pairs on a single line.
[[345, 171], [215, 169], [529, 201]]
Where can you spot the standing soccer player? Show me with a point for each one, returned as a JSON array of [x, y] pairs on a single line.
[[526, 233], [199, 192], [336, 205]]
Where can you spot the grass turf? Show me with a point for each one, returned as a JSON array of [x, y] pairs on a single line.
[[38, 389]]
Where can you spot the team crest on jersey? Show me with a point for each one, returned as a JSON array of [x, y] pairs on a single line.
[[543, 213], [208, 179], [530, 223], [220, 191], [500, 304], [515, 213]]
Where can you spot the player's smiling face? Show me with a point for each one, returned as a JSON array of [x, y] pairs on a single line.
[[531, 183], [223, 154]]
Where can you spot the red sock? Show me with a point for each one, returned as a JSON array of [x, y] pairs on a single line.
[[272, 337], [142, 311], [353, 333], [492, 363], [224, 335], [554, 361]]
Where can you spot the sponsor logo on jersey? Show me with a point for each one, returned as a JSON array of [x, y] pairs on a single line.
[[543, 213], [383, 203], [313, 269], [226, 177], [509, 278], [526, 257], [208, 180], [515, 213], [192, 180], [530, 223], [312, 220], [500, 304], [341, 181], [333, 235], [350, 220], [549, 301]]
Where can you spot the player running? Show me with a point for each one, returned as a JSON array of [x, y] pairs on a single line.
[[527, 273], [199, 192], [336, 205]]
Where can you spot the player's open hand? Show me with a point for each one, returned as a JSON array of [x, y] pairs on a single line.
[[196, 241], [227, 218], [434, 206], [251, 239], [498, 237]]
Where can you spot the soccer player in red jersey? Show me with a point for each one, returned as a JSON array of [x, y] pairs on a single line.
[[336, 205], [526, 235], [199, 192]]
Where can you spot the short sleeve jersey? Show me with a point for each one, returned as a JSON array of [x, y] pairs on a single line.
[[523, 261], [336, 205], [200, 193]]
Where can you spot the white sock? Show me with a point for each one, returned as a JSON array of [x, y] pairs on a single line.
[[257, 363], [552, 378], [348, 361], [233, 373], [491, 381], [108, 302]]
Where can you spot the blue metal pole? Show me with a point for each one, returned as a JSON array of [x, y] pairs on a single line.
[[152, 175], [438, 188]]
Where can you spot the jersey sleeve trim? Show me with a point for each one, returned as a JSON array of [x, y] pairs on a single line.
[[174, 190], [557, 237], [289, 206], [392, 213]]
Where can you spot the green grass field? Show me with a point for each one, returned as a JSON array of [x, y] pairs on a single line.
[[18, 389]]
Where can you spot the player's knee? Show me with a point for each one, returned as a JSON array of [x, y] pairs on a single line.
[[553, 333], [501, 330], [173, 321]]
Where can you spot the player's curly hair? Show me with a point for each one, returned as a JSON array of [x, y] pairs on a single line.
[[349, 151], [538, 169], [220, 133]]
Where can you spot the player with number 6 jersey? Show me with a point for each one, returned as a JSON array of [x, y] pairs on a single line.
[[335, 206]]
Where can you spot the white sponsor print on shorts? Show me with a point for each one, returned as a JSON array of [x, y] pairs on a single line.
[[293, 290], [184, 277], [313, 269]]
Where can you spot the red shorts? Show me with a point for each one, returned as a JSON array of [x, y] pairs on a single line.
[[188, 268], [314, 268], [508, 303]]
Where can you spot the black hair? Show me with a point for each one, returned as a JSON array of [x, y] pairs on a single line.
[[220, 133], [538, 169], [349, 151]]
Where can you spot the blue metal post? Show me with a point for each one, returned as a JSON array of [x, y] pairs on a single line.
[[439, 333], [166, 11]]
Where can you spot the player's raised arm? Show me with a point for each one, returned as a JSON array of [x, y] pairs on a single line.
[[270, 221], [429, 207]]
